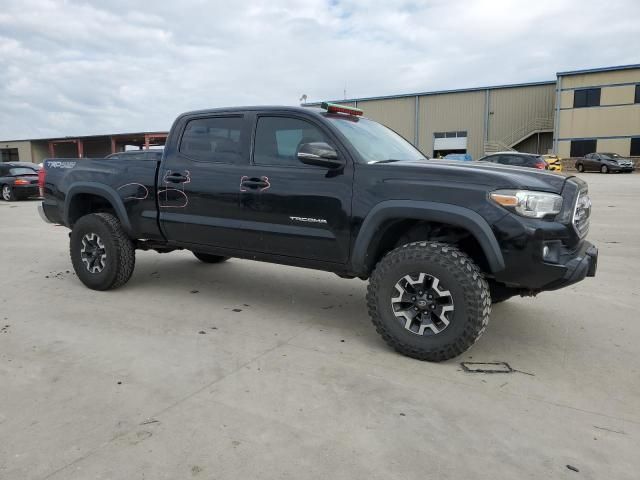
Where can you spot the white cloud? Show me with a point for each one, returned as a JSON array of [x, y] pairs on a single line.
[[72, 68]]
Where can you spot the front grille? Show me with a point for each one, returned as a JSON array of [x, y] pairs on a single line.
[[582, 213]]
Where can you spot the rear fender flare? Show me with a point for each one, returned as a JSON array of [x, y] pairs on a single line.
[[428, 211], [99, 190]]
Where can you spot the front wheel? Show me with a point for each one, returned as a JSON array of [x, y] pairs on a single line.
[[102, 254], [208, 258], [7, 193], [604, 169], [429, 300]]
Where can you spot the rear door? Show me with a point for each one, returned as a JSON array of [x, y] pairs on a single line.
[[198, 186], [298, 210]]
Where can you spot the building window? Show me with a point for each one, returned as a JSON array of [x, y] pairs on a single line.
[[637, 98], [9, 155], [580, 148], [635, 143], [458, 134], [586, 97]]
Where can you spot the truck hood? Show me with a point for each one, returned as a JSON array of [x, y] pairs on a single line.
[[478, 173]]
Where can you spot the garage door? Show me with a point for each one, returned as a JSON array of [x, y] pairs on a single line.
[[455, 143]]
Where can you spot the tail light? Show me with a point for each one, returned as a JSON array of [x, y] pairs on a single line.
[[42, 175], [21, 181], [541, 165]]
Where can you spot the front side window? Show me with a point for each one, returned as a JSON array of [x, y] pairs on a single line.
[[373, 141], [214, 139], [278, 140], [586, 97]]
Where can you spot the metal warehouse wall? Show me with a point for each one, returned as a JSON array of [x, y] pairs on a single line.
[[511, 109], [449, 112], [397, 114], [612, 123]]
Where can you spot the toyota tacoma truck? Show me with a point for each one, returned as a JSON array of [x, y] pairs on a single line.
[[328, 189]]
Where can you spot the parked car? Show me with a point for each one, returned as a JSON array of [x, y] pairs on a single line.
[[517, 159], [604, 163], [18, 180], [329, 190], [554, 162], [464, 157], [155, 154]]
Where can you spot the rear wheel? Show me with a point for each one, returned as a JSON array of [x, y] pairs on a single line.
[[428, 300], [8, 194], [208, 258], [580, 167], [102, 254], [604, 169]]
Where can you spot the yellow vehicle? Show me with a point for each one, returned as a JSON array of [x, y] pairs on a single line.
[[554, 162]]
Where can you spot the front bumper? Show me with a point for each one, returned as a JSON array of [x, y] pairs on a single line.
[[584, 264], [541, 255]]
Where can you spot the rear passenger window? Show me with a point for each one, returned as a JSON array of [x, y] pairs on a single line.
[[215, 139], [278, 140]]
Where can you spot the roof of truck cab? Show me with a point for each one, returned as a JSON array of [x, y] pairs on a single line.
[[262, 108]]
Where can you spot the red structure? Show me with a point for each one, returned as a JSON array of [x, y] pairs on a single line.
[[102, 145]]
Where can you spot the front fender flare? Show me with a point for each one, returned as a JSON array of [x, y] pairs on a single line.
[[428, 211], [100, 190]]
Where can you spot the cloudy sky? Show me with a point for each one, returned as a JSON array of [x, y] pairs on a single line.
[[86, 67]]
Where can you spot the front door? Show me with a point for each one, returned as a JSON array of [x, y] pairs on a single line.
[[198, 191], [298, 210]]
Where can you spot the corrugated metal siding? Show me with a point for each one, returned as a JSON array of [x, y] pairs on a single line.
[[600, 122], [513, 108], [397, 114], [602, 78], [449, 112]]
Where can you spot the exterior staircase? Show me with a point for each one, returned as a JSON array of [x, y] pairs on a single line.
[[532, 127]]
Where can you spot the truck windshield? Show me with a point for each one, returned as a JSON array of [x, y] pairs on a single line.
[[374, 142]]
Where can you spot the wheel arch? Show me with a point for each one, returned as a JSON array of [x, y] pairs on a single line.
[[79, 202], [390, 218]]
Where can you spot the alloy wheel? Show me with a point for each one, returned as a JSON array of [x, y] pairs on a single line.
[[93, 253], [6, 193], [423, 305]]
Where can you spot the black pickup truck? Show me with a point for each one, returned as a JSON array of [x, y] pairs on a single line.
[[329, 189]]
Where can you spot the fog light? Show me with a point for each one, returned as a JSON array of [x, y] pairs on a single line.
[[545, 251]]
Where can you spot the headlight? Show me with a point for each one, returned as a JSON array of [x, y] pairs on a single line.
[[529, 203]]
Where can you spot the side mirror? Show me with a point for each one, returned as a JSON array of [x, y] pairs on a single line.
[[319, 154]]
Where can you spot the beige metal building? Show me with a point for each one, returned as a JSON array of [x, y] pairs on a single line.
[[598, 110], [521, 117]]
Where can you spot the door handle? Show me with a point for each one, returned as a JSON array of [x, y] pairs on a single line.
[[254, 183], [176, 178]]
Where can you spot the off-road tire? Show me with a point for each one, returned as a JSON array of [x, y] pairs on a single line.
[[604, 169], [469, 291], [580, 167], [119, 248], [208, 258]]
